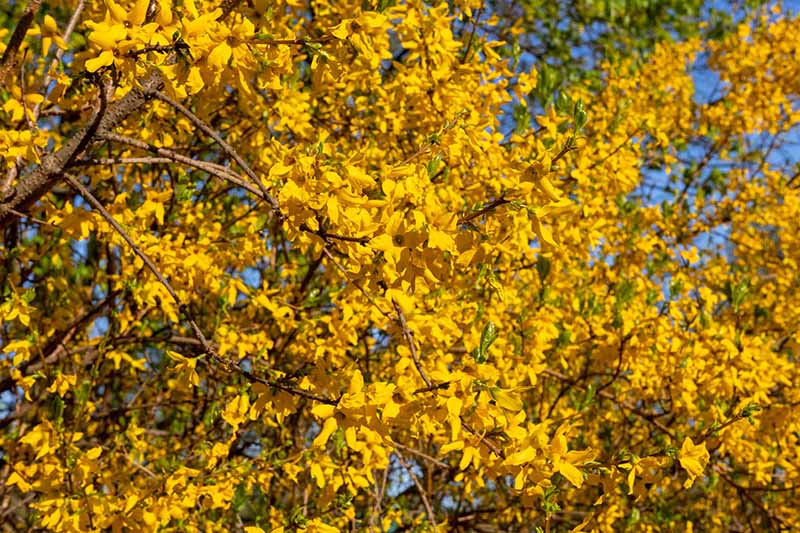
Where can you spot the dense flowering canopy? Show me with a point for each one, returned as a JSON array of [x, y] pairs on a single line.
[[335, 265]]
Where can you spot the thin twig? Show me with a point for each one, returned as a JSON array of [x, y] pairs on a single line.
[[377, 509], [771, 518], [361, 289], [219, 171], [420, 490], [494, 448], [568, 147], [615, 150], [471, 35], [146, 160], [9, 55], [197, 121], [73, 21], [138, 465], [31, 218], [607, 395], [184, 309], [409, 336], [712, 429], [13, 170], [411, 345], [49, 172], [491, 206], [297, 42], [23, 96], [425, 456]]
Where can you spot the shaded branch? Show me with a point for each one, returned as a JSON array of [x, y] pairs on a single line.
[[184, 309], [491, 206], [411, 345], [208, 130], [217, 171], [625, 405], [409, 336], [8, 61], [420, 490], [31, 188]]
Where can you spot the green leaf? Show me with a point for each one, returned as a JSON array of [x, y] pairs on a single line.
[[579, 115], [488, 336], [543, 268], [749, 411]]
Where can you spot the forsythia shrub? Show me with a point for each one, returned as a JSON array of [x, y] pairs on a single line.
[[327, 265]]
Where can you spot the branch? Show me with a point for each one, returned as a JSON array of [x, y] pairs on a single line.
[[218, 171], [8, 61], [424, 455], [184, 309], [420, 490], [325, 235], [607, 395], [712, 430], [568, 147], [617, 149], [47, 174], [743, 491], [409, 336], [494, 448], [620, 352], [491, 206], [297, 42], [227, 7], [197, 121], [411, 345], [363, 291], [55, 349], [73, 21], [471, 35]]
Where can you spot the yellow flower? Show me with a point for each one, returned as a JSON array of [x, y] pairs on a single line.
[[693, 459]]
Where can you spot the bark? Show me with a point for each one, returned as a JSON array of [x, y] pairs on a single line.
[[31, 188]]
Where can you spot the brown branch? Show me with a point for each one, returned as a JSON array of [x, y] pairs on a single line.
[[710, 431], [219, 171], [471, 36], [423, 455], [297, 42], [8, 61], [625, 405], [361, 289], [494, 448], [744, 492], [158, 48], [380, 491], [227, 7], [23, 97], [568, 147], [31, 218], [184, 309], [325, 235], [73, 21], [420, 490], [147, 160], [618, 370], [409, 336], [208, 130], [337, 237], [491, 206], [54, 349], [615, 150], [47, 174], [494, 204], [13, 170]]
